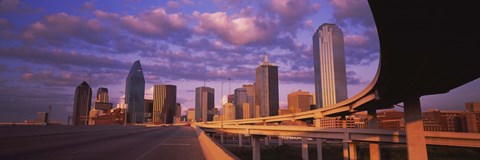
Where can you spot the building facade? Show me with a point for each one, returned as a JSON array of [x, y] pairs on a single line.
[[135, 94], [266, 89], [229, 111], [82, 103], [239, 98], [329, 65], [164, 103], [299, 101], [250, 100], [204, 103]]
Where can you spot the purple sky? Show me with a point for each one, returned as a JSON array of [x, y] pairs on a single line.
[[48, 47]]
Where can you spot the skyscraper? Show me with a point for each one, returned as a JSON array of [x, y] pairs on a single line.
[[329, 65], [239, 97], [101, 101], [266, 88], [82, 103], [135, 93], [164, 103], [102, 95], [250, 99], [204, 103]]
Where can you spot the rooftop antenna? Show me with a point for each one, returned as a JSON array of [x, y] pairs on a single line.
[[265, 59], [229, 86]]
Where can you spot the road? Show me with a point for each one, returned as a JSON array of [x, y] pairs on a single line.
[[98, 143]]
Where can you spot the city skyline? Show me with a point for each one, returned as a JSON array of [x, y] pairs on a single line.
[[47, 51]]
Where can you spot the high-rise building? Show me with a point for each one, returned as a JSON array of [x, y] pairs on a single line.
[[178, 111], [229, 111], [250, 100], [299, 101], [164, 103], [472, 106], [266, 88], [148, 105], [42, 117], [239, 97], [102, 95], [101, 101], [246, 110], [82, 103], [135, 94], [190, 114], [329, 65], [204, 103]]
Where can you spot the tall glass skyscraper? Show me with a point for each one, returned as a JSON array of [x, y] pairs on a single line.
[[239, 97], [82, 103], [135, 94], [204, 103], [266, 88], [329, 65], [102, 95], [164, 103]]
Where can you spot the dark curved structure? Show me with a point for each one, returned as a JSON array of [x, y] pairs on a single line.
[[426, 47]]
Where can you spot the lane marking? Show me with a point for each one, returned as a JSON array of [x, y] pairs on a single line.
[[144, 154]]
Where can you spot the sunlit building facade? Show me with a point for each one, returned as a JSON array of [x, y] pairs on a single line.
[[266, 89], [164, 103], [299, 101], [239, 97], [329, 65], [135, 94], [204, 103]]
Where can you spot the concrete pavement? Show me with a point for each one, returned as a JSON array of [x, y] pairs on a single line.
[[99, 142]]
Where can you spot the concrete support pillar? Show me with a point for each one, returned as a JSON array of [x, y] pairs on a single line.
[[352, 151], [221, 138], [373, 123], [280, 141], [344, 121], [317, 122], [255, 148], [345, 151], [319, 149], [304, 149], [240, 140], [266, 140], [416, 145]]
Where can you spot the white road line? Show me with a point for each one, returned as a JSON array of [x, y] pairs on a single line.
[[144, 154]]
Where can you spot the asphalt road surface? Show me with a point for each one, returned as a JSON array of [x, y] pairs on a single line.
[[98, 143]]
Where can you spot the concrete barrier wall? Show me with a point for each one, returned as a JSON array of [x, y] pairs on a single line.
[[211, 149]]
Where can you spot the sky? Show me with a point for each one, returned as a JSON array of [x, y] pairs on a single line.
[[48, 47]]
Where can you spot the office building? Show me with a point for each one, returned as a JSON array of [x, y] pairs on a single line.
[[266, 89], [250, 99], [239, 98], [190, 114], [299, 101], [42, 117], [164, 103], [229, 111], [135, 94], [204, 103], [102, 95], [82, 103], [178, 110], [148, 108], [329, 65]]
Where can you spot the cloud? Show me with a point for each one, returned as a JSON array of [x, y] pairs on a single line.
[[352, 11], [88, 6], [236, 29], [60, 58], [62, 28], [8, 5], [292, 12], [156, 23]]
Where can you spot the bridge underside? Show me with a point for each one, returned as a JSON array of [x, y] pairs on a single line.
[[425, 48]]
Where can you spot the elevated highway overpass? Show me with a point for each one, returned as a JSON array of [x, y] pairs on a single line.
[[426, 48]]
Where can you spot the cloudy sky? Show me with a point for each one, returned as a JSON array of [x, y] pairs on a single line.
[[48, 47]]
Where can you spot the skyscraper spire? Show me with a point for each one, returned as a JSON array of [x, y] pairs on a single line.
[[265, 59]]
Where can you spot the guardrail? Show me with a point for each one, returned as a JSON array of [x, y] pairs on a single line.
[[348, 134], [211, 149]]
